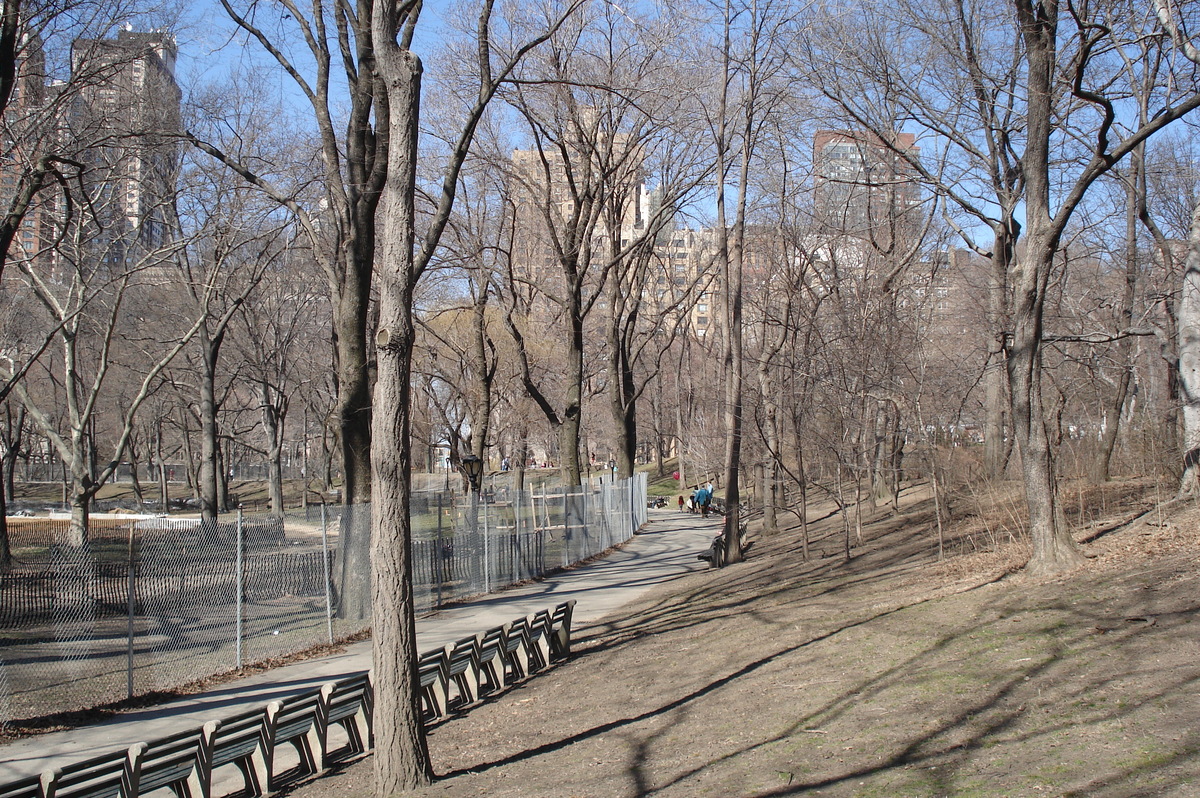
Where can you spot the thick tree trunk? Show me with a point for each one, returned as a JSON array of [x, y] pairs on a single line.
[[81, 507], [352, 410], [624, 414], [1053, 548], [401, 754], [1189, 361]]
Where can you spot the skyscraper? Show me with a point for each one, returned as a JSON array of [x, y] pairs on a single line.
[[864, 187], [123, 122]]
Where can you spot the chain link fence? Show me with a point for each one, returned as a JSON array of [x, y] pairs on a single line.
[[152, 603]]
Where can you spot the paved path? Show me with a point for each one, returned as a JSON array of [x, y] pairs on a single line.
[[665, 550]]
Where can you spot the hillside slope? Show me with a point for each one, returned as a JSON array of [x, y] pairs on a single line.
[[888, 675]]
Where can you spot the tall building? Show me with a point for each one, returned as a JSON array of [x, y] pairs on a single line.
[[124, 120], [682, 258], [28, 131], [863, 187], [552, 189]]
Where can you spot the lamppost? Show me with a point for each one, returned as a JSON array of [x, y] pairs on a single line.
[[472, 467]]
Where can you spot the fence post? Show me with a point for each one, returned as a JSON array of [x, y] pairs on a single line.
[[566, 557], [487, 560], [439, 558], [129, 626], [325, 571], [240, 588]]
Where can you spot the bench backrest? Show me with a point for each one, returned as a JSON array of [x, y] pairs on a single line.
[[27, 787], [106, 776], [348, 696], [169, 761], [293, 717], [235, 738]]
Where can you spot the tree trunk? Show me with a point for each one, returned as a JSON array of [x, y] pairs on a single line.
[[274, 447], [481, 419], [208, 490], [994, 447], [1108, 441], [1053, 548], [624, 413], [1189, 361], [81, 507], [401, 754], [224, 476], [681, 417], [6, 560], [569, 426], [769, 483], [164, 497]]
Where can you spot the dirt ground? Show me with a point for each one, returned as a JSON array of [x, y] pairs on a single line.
[[891, 674]]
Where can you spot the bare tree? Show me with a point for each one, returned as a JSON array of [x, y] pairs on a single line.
[[401, 755], [236, 240], [754, 39], [1057, 61], [277, 341]]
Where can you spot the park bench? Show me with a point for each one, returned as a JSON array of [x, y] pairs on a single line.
[[348, 703], [433, 670], [293, 722], [560, 640], [516, 646], [463, 671], [240, 740], [715, 553], [172, 762], [27, 787], [493, 660], [106, 776], [541, 629]]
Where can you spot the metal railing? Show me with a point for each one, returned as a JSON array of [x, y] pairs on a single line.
[[153, 603]]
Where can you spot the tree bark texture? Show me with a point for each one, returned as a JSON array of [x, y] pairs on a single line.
[[210, 503], [1124, 359], [1053, 548], [1189, 361], [401, 754]]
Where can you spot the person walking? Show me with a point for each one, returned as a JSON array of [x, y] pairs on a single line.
[[702, 499]]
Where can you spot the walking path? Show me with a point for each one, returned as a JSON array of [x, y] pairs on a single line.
[[665, 550]]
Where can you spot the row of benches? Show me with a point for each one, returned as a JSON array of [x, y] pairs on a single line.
[[451, 679]]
